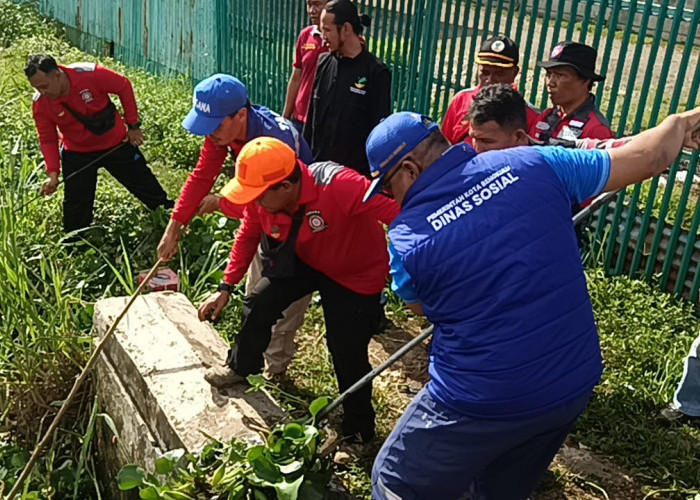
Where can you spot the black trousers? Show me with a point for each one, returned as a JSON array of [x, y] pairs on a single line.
[[351, 319], [126, 164]]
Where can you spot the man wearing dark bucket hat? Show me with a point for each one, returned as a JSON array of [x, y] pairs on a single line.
[[484, 246], [497, 62], [570, 78], [223, 114]]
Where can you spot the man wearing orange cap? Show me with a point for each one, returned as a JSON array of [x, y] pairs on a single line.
[[497, 62], [316, 235]]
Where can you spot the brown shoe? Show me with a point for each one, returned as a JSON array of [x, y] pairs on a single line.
[[222, 376]]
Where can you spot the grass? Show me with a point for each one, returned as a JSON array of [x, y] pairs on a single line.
[[47, 290], [47, 293]]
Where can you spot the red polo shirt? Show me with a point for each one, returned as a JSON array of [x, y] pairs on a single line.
[[90, 86], [309, 46], [455, 126], [340, 236]]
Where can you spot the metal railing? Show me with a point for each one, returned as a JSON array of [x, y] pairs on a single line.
[[646, 49]]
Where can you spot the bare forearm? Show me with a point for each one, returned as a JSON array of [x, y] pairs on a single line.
[[292, 91], [651, 152], [416, 308]]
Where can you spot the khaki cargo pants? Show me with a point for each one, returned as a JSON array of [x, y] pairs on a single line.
[[282, 347]]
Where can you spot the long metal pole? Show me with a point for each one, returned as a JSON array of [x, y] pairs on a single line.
[[371, 375], [79, 171]]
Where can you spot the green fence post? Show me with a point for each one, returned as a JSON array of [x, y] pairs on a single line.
[[637, 126]]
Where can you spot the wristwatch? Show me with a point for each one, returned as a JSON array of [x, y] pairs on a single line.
[[224, 287], [134, 126]]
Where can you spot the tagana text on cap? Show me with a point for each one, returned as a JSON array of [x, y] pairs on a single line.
[[262, 163], [498, 51], [391, 140], [576, 55], [214, 99]]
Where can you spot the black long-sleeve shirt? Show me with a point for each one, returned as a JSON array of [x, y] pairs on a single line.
[[350, 97]]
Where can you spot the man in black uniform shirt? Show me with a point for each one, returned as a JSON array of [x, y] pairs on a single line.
[[352, 90]]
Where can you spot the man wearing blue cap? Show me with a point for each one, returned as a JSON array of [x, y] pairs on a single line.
[[485, 247], [223, 114]]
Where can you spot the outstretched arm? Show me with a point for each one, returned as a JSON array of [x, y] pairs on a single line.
[[651, 152]]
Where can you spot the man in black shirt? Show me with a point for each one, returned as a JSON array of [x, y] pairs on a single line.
[[352, 90]]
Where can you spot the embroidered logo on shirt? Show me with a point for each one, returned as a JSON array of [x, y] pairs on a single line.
[[316, 222], [87, 96], [359, 86]]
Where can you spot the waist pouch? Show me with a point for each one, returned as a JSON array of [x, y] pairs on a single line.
[[278, 256], [101, 122]]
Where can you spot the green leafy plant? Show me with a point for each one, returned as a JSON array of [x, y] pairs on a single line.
[[286, 466]]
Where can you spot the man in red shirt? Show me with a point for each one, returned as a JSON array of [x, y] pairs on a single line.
[[316, 235], [301, 83], [570, 78], [498, 121], [497, 61], [72, 106]]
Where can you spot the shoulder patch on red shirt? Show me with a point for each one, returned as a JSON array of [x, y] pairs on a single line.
[[324, 171], [82, 67]]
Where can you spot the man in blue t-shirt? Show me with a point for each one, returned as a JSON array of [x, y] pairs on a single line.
[[485, 248]]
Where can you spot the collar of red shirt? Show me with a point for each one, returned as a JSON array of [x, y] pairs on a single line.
[[309, 191]]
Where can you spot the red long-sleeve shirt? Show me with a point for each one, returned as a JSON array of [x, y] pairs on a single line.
[[202, 179], [90, 86], [340, 235]]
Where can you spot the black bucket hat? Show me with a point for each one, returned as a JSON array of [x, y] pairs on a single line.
[[576, 55]]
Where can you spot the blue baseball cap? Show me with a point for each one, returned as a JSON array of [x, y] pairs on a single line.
[[214, 99], [391, 140]]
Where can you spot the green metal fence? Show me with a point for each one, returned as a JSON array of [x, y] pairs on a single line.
[[647, 50]]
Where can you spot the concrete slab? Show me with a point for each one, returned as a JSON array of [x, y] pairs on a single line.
[[159, 353]]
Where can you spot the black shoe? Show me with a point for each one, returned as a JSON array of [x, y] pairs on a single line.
[[358, 437]]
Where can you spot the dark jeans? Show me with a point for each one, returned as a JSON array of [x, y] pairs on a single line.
[[351, 319], [126, 164]]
